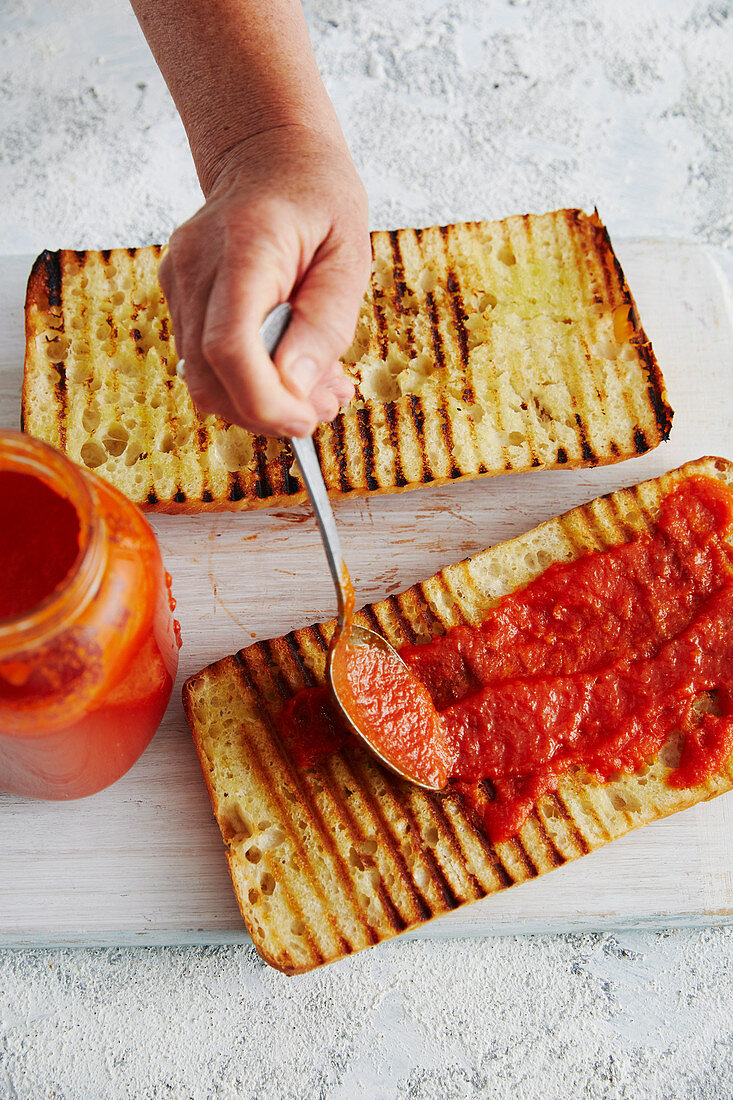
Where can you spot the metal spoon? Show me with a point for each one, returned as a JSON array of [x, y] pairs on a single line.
[[347, 633]]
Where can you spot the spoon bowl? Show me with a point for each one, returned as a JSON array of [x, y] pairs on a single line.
[[343, 643]]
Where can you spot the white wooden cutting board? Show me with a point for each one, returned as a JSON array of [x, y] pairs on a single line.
[[143, 862]]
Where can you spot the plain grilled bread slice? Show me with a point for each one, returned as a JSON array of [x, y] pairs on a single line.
[[332, 859], [481, 348]]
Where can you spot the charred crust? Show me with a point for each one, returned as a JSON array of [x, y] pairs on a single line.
[[450, 899], [445, 424], [586, 449], [418, 420], [48, 266], [290, 483], [366, 435], [524, 857], [437, 338], [307, 676], [269, 653], [663, 413], [488, 788], [640, 442], [469, 811], [207, 496], [236, 490], [263, 485], [339, 446], [400, 285], [137, 337], [391, 416], [562, 456], [381, 323], [447, 432], [459, 314], [555, 855], [60, 388], [152, 497]]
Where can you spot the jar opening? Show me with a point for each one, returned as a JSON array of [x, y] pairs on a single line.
[[51, 544]]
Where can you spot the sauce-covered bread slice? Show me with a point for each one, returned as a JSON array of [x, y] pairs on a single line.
[[481, 348], [332, 853]]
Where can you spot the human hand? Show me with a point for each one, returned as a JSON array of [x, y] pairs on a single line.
[[285, 219]]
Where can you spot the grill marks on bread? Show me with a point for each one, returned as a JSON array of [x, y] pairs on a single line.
[[481, 348], [342, 855]]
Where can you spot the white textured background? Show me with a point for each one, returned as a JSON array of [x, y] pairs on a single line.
[[476, 109]]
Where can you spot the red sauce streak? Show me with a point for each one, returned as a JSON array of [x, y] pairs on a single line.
[[594, 666], [172, 606], [348, 597], [39, 542]]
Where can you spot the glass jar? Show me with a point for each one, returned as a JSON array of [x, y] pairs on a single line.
[[88, 643]]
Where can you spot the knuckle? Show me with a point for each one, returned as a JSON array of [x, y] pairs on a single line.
[[184, 247]]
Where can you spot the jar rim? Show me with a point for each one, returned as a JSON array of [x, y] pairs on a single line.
[[24, 454]]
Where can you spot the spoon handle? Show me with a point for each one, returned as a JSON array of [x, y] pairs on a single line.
[[305, 453], [271, 332]]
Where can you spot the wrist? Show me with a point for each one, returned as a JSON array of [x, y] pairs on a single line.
[[254, 147]]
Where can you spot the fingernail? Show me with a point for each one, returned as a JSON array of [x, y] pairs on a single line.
[[303, 375]]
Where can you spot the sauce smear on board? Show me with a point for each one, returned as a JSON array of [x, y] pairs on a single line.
[[593, 665]]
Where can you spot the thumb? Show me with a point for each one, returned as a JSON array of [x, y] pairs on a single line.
[[325, 310]]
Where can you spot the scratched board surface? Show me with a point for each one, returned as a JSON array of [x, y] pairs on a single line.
[[143, 861]]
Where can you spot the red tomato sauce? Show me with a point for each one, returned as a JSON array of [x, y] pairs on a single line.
[[39, 542], [592, 666], [396, 713]]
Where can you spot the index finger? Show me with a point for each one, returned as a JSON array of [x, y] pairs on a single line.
[[231, 344]]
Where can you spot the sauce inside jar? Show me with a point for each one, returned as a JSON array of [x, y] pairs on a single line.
[[88, 644], [39, 541]]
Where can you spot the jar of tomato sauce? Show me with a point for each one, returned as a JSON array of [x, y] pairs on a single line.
[[88, 643]]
